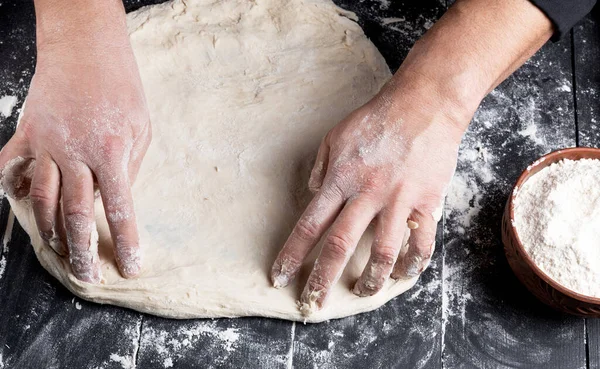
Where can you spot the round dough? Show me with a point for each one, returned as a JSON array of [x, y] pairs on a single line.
[[240, 94]]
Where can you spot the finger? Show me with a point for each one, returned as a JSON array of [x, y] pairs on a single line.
[[118, 206], [317, 175], [45, 196], [420, 247], [389, 234], [313, 223], [338, 247], [78, 210]]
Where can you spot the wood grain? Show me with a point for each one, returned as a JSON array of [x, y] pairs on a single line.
[[44, 326], [593, 342], [468, 310], [218, 343], [490, 320], [586, 57]]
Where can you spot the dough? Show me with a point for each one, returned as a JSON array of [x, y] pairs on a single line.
[[240, 93]]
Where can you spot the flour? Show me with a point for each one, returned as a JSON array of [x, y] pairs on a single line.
[[169, 346], [7, 103], [5, 240], [125, 361], [557, 217]]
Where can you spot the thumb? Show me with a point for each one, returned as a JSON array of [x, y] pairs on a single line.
[[16, 167], [320, 168]]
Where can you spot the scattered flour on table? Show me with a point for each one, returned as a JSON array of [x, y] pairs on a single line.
[[5, 240], [2, 266], [465, 195], [179, 343], [557, 217], [126, 356], [7, 103], [384, 4], [516, 123], [125, 361]]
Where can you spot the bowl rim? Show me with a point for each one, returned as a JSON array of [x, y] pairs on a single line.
[[545, 161]]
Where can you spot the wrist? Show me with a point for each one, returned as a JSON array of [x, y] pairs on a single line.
[[447, 103], [469, 51], [80, 24], [455, 86]]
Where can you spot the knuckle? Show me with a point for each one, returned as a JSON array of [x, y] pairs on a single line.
[[287, 262], [317, 285], [25, 129], [340, 176], [338, 244], [334, 190], [428, 234], [76, 213], [424, 250], [426, 208], [41, 195], [371, 183], [127, 245], [112, 147], [384, 255], [306, 229]]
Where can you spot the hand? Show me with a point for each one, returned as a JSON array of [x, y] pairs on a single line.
[[85, 123], [389, 162]]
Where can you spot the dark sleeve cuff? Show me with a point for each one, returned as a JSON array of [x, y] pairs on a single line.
[[564, 13]]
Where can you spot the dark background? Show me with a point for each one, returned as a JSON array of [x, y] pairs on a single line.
[[468, 310]]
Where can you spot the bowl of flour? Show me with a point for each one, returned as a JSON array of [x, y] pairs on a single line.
[[551, 230]]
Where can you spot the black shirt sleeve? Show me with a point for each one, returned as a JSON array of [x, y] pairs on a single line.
[[564, 13]]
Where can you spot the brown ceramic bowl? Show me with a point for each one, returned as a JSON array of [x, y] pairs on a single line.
[[537, 282]]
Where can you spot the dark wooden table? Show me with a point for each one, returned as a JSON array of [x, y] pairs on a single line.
[[468, 310]]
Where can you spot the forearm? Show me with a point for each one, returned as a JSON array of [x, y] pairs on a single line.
[[470, 50], [80, 23]]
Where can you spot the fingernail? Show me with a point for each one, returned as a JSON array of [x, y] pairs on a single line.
[[368, 284], [365, 289], [58, 246], [280, 280], [85, 267], [129, 261], [413, 266], [356, 290], [369, 288], [52, 240], [281, 275], [308, 303]]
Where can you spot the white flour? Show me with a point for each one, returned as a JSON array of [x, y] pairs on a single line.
[[557, 217], [7, 103]]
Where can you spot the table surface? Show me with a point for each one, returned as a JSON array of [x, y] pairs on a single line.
[[467, 311]]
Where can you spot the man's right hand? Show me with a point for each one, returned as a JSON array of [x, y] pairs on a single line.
[[85, 123]]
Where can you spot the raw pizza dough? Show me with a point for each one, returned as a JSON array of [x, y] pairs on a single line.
[[241, 93]]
